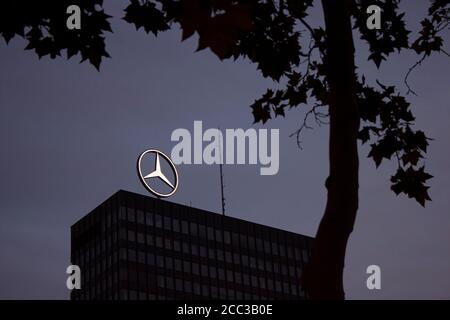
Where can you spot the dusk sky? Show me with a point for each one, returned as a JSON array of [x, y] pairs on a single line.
[[70, 137]]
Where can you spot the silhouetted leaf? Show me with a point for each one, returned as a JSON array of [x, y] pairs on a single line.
[[411, 157], [393, 34], [412, 183], [279, 111], [260, 113], [43, 25], [269, 34], [146, 15], [364, 134]]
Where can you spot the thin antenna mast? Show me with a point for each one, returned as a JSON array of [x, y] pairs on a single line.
[[221, 189], [221, 175]]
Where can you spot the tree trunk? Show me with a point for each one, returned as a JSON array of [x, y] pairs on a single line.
[[323, 276]]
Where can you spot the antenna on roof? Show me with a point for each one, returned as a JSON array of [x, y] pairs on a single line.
[[221, 189], [221, 175]]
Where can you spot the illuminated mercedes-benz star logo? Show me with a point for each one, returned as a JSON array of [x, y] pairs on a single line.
[[157, 173]]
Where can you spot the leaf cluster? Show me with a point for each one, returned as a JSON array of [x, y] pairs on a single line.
[[276, 36], [43, 25]]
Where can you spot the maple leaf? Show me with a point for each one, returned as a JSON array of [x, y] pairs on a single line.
[[260, 112], [146, 16]]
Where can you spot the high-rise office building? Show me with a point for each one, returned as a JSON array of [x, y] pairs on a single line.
[[137, 247]]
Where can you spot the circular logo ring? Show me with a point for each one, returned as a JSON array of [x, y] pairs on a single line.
[[157, 173]]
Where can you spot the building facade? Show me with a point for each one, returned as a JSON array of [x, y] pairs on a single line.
[[134, 247]]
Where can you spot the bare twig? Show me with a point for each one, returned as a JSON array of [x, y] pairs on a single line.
[[319, 117], [445, 52], [418, 63], [306, 24]]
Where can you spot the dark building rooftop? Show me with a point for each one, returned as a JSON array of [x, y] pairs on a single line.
[[138, 247]]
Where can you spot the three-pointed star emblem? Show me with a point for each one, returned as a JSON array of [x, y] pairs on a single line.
[[157, 173]]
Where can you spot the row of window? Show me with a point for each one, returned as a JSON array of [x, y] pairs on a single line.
[[211, 253], [193, 248], [106, 284], [89, 253], [160, 242], [213, 291], [149, 258], [208, 232], [93, 273], [171, 263], [191, 228], [186, 266]]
